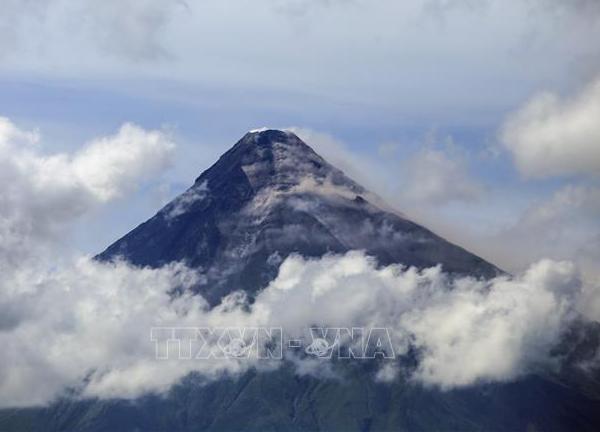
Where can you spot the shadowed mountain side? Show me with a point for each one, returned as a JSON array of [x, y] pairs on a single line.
[[284, 401]]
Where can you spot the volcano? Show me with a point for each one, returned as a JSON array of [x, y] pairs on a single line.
[[271, 196]]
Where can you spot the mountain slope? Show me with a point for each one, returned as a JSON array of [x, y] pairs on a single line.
[[269, 196], [284, 401]]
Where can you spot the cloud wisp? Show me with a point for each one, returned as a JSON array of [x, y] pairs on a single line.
[[551, 136]]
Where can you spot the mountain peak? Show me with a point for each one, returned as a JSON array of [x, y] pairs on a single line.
[[269, 130], [273, 158], [269, 137]]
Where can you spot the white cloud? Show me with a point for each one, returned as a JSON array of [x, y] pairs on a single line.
[[43, 193], [470, 336], [10, 134], [93, 320], [114, 165], [468, 330], [553, 136], [82, 320]]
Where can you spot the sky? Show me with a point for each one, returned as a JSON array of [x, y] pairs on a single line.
[[478, 119], [448, 109]]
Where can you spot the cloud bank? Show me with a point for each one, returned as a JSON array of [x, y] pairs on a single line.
[[42, 195], [87, 326]]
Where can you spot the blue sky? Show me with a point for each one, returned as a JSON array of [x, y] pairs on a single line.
[[378, 87]]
